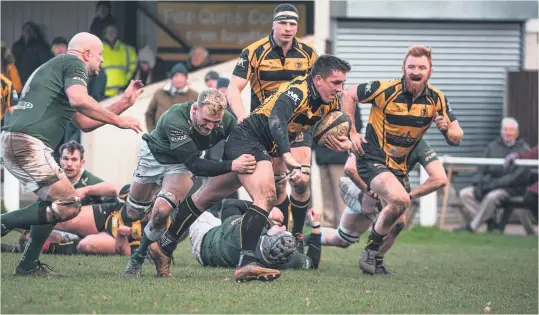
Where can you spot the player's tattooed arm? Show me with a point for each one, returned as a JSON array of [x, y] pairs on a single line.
[[279, 116]]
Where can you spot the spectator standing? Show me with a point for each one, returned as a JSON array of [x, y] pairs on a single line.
[[150, 68], [102, 18], [59, 46], [494, 184], [174, 92], [30, 51], [199, 58], [120, 61]]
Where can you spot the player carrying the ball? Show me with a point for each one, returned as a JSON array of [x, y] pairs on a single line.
[[266, 134], [402, 111]]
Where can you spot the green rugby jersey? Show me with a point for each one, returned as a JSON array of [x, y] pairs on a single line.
[[221, 247], [174, 130], [43, 110], [89, 179]]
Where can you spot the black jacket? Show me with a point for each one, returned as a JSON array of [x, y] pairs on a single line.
[[514, 180], [29, 56]]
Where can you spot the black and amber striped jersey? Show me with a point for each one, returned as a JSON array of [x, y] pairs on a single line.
[[264, 64], [294, 108], [6, 90], [396, 122]]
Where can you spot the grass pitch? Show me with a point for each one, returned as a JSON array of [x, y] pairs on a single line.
[[437, 272]]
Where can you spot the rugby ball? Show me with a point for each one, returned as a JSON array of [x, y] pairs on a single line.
[[334, 123]]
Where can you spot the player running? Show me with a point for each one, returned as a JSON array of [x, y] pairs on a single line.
[[402, 111], [266, 134], [361, 209], [54, 95], [266, 64]]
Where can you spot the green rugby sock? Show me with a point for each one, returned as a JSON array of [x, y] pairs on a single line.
[[34, 214], [38, 236], [142, 249]]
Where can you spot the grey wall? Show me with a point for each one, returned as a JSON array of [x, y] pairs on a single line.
[[432, 10]]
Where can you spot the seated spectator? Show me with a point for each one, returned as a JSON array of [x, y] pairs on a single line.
[[59, 46], [30, 51], [150, 68], [9, 70], [120, 61], [211, 79], [102, 18], [494, 184], [174, 92], [199, 57], [530, 197]]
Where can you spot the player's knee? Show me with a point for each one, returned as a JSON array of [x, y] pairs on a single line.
[[161, 211], [136, 210], [400, 203], [301, 188]]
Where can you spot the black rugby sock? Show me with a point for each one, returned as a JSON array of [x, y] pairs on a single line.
[[185, 216], [251, 227], [375, 240], [299, 212]]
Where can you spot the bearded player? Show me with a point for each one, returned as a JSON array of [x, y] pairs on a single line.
[[55, 94], [402, 111]]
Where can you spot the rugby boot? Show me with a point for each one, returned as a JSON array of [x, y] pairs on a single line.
[[299, 243], [381, 270], [254, 271], [134, 266], [161, 260], [42, 270], [367, 260]]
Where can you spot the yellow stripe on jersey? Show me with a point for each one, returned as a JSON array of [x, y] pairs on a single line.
[[396, 123], [266, 68]]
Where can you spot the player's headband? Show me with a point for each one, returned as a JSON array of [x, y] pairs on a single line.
[[286, 16]]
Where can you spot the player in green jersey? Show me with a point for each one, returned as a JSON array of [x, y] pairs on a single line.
[[216, 242], [361, 209], [55, 94], [169, 156]]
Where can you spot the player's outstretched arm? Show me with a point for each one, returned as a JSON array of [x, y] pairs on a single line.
[[100, 189], [233, 95], [91, 115], [437, 179]]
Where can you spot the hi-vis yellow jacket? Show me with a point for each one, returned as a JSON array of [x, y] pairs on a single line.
[[120, 63]]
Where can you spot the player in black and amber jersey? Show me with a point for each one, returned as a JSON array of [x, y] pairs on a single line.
[[266, 135], [402, 111], [266, 64]]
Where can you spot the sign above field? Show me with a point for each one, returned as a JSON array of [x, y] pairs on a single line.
[[224, 28]]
